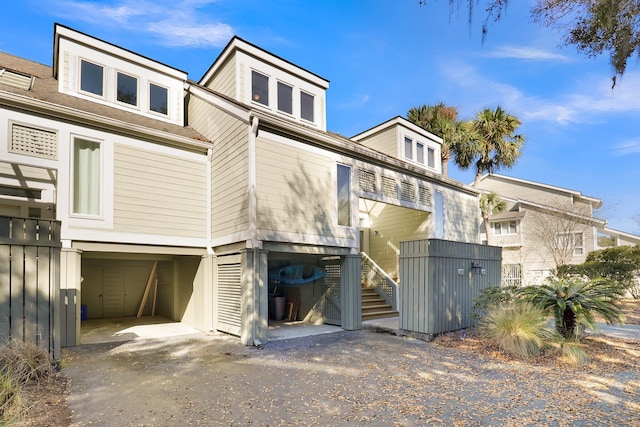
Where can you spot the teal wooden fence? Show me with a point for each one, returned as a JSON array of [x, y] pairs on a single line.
[[30, 281]]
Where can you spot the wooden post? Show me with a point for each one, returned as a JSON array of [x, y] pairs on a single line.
[[147, 289], [155, 297]]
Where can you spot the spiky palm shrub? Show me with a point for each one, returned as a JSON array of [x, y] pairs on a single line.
[[574, 303], [518, 328]]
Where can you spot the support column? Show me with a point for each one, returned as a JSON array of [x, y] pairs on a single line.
[[70, 296], [255, 298], [351, 292]]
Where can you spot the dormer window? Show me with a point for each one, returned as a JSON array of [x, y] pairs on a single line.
[[285, 98], [420, 153], [306, 106], [127, 91], [259, 88], [431, 157], [408, 148], [158, 99], [91, 78]]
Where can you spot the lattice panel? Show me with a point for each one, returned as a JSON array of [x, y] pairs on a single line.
[[408, 191], [34, 142], [367, 180], [331, 307]]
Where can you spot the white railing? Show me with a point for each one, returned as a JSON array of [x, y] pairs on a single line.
[[377, 278]]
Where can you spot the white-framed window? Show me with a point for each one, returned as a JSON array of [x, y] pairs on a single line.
[[408, 148], [503, 228], [259, 88], [87, 177], [573, 240], [431, 157], [285, 98], [306, 106], [344, 195], [126, 89], [158, 99], [91, 78], [420, 152]]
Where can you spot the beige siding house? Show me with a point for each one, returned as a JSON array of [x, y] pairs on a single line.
[[542, 228], [225, 192]]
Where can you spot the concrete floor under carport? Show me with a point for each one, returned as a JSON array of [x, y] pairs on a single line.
[[121, 329], [114, 286]]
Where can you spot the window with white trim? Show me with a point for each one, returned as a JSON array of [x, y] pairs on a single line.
[[91, 78], [573, 240], [420, 152], [306, 106], [285, 98], [408, 148], [259, 88], [87, 177], [431, 157], [503, 228], [127, 89], [344, 195], [158, 99]]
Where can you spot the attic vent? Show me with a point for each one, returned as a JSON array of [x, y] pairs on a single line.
[[389, 187], [33, 142], [15, 79], [407, 191], [367, 180], [424, 195]]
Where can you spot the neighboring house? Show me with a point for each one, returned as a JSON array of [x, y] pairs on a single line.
[[208, 186], [619, 238], [542, 227]]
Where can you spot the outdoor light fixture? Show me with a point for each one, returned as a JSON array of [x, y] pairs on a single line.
[[476, 268]]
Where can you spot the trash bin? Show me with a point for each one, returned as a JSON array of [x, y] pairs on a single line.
[[276, 306], [83, 312]]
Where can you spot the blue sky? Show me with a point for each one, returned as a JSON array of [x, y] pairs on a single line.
[[383, 57]]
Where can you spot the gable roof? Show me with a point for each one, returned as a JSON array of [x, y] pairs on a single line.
[[236, 43], [397, 121], [595, 202], [44, 97]]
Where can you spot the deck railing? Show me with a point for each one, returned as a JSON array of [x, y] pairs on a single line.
[[377, 278]]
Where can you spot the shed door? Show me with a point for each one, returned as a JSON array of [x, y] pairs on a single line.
[[92, 290], [331, 304]]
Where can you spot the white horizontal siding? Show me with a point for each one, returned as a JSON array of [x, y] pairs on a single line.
[[230, 166], [296, 192], [157, 193], [224, 80], [385, 142]]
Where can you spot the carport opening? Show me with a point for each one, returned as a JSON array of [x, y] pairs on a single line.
[[299, 289], [129, 296]]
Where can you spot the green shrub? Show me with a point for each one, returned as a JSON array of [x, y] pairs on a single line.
[[518, 328], [574, 302], [490, 298]]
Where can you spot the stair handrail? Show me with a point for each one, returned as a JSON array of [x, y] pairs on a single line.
[[393, 297]]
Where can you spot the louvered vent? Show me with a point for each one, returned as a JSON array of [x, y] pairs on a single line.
[[389, 187], [367, 180], [33, 142], [230, 298], [424, 195], [15, 79], [408, 191]]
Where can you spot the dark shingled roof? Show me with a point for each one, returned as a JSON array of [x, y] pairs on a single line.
[[45, 88]]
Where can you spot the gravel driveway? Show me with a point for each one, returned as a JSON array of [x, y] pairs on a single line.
[[339, 379]]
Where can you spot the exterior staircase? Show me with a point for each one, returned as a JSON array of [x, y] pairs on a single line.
[[374, 306]]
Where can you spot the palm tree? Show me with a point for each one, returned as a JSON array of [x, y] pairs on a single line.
[[442, 120], [496, 144], [490, 204], [574, 302]]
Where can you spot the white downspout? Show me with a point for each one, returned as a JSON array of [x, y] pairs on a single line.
[[253, 215], [209, 200]]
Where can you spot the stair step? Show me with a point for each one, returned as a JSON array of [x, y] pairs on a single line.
[[376, 308], [373, 303], [380, 314]]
